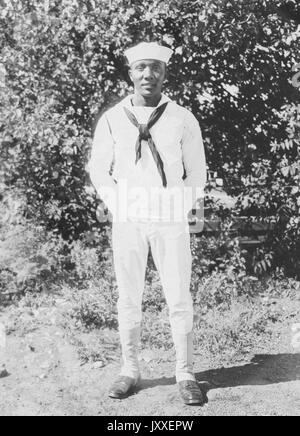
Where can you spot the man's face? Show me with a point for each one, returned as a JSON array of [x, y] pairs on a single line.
[[148, 76]]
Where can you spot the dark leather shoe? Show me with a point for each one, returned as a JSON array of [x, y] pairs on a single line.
[[123, 387], [191, 393]]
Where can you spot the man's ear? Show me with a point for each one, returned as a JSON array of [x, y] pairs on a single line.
[[166, 74], [130, 73]]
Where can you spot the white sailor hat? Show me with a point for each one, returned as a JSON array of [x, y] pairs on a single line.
[[148, 50]]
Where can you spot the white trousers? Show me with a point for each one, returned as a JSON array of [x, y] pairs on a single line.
[[170, 246]]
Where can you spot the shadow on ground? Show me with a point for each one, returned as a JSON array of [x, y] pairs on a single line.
[[264, 369]]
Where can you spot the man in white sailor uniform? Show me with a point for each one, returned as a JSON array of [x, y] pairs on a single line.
[[148, 166]]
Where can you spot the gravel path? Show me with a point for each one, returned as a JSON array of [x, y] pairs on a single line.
[[46, 378]]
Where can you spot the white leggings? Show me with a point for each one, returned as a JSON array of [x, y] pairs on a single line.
[[170, 246]]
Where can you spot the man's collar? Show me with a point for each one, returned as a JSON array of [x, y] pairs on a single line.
[[127, 100]]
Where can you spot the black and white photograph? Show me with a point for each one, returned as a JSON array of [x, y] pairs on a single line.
[[149, 210]]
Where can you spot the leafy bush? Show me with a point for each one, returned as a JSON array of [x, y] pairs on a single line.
[[62, 64], [8, 286], [216, 252], [156, 330], [272, 194], [33, 259], [91, 256], [99, 346], [94, 308], [229, 334], [154, 298]]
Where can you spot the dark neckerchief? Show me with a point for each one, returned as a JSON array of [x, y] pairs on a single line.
[[144, 134]]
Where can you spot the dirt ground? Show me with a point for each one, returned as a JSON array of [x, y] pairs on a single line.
[[46, 378]]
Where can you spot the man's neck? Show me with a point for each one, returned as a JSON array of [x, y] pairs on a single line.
[[140, 100]]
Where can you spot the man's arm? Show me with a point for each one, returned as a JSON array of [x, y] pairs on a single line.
[[100, 164], [194, 161]]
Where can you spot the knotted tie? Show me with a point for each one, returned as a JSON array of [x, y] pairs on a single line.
[[144, 134]]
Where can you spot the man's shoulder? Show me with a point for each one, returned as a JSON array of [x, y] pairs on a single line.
[[112, 110], [115, 107], [183, 112]]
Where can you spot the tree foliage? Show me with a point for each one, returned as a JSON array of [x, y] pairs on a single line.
[[272, 193], [62, 64]]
